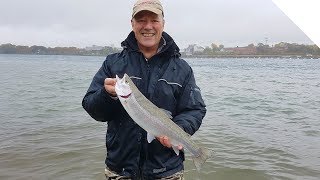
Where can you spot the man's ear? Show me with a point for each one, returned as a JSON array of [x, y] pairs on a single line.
[[132, 23]]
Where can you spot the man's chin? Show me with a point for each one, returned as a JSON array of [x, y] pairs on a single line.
[[148, 44]]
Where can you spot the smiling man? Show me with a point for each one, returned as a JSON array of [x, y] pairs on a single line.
[[148, 27], [152, 60]]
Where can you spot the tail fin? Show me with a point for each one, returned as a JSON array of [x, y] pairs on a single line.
[[204, 154]]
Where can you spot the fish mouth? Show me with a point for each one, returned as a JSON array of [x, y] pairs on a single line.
[[122, 88], [125, 96]]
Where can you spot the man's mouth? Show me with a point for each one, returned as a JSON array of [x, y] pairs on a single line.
[[148, 34]]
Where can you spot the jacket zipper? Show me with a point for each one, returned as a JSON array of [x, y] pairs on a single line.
[[148, 78]]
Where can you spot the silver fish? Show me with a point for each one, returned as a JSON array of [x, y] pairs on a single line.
[[156, 121]]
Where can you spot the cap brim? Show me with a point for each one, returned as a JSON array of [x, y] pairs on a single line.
[[151, 9]]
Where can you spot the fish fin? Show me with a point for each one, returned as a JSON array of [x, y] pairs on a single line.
[[176, 150], [175, 145], [203, 155], [150, 137], [174, 142], [168, 113]]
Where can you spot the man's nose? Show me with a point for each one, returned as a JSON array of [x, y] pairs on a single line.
[[148, 25]]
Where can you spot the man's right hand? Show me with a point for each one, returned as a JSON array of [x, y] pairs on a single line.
[[109, 84], [165, 141]]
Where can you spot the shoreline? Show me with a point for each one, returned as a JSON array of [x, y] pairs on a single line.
[[196, 56], [254, 56]]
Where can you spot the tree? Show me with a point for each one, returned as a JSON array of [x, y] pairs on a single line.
[[38, 49], [207, 50], [8, 49], [221, 46], [251, 45], [214, 47]]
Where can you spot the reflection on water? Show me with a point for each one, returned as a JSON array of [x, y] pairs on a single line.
[[262, 120]]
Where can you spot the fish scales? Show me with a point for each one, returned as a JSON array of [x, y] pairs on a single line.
[[159, 118], [155, 121]]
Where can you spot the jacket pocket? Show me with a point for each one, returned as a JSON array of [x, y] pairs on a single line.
[[166, 94], [111, 138]]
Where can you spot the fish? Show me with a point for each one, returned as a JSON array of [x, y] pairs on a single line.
[[156, 121]]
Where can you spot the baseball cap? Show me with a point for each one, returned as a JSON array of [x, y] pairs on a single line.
[[147, 5]]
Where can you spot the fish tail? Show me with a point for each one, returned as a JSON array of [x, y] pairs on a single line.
[[203, 155]]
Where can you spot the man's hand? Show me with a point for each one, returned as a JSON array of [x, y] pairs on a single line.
[[165, 141], [109, 84]]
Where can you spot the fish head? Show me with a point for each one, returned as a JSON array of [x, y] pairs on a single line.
[[122, 88]]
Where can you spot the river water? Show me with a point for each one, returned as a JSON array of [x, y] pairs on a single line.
[[263, 119]]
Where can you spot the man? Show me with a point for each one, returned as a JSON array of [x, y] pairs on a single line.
[[152, 60]]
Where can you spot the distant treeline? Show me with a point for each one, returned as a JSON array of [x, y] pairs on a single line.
[[260, 50], [41, 50], [280, 49]]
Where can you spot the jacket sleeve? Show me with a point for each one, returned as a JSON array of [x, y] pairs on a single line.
[[191, 108], [97, 102]]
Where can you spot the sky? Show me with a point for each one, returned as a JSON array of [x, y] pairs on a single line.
[[82, 23]]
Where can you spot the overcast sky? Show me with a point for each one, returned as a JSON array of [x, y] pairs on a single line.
[[84, 23]]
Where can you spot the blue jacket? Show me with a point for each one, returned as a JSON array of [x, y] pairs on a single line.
[[167, 81]]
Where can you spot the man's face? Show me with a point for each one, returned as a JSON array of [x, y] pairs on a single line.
[[147, 27]]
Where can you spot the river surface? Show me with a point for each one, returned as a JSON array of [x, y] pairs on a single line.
[[263, 119]]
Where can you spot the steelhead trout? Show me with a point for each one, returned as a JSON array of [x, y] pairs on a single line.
[[156, 121]]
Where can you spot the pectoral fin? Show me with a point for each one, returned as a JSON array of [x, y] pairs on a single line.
[[168, 113], [175, 145], [150, 137], [176, 150]]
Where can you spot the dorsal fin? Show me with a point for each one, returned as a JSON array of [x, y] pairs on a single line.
[[168, 113]]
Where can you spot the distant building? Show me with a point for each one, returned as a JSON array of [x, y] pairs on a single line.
[[94, 48], [198, 49], [192, 49], [241, 50]]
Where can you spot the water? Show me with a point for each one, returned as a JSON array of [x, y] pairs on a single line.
[[262, 120]]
